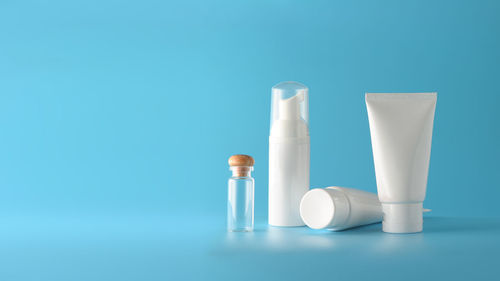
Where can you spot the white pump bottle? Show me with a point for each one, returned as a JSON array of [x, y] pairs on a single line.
[[289, 152]]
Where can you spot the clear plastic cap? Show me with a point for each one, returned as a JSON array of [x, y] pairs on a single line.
[[290, 102]]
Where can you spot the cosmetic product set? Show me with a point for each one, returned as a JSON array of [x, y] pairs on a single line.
[[401, 134]]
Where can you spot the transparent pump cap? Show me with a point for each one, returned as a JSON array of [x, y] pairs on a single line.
[[290, 105]]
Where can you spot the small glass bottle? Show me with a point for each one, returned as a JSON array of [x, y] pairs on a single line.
[[240, 194]]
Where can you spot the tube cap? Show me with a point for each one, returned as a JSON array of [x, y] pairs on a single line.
[[402, 218], [324, 208]]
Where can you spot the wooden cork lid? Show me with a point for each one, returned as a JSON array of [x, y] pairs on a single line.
[[239, 160]]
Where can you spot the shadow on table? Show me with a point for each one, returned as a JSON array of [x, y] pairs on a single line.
[[436, 225], [366, 239], [457, 225]]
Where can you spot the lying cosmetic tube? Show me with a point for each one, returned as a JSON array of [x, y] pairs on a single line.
[[401, 134], [339, 208]]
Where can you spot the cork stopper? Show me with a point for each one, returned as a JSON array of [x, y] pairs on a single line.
[[241, 160], [241, 165]]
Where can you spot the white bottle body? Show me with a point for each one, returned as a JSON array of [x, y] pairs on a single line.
[[401, 134], [364, 208], [288, 179]]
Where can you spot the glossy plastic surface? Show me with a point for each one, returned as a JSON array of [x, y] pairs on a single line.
[[401, 133]]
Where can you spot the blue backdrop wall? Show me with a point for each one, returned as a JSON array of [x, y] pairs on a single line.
[[133, 107]]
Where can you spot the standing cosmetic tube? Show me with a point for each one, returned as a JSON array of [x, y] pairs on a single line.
[[401, 135], [339, 208], [288, 153]]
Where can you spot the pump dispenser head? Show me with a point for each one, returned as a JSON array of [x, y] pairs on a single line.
[[290, 107]]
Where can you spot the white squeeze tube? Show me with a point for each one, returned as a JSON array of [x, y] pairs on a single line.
[[401, 134], [288, 153], [338, 208]]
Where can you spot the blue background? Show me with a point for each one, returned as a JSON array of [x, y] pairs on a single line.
[[117, 119]]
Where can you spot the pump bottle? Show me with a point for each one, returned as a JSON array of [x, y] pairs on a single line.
[[289, 152]]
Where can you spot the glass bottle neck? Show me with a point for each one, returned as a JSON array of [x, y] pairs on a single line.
[[241, 171]]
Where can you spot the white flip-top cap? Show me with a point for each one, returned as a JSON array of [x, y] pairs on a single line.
[[324, 208], [402, 218]]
